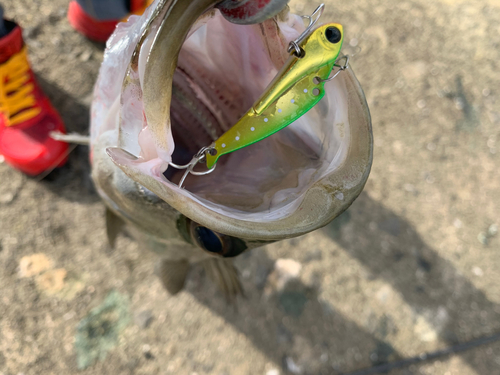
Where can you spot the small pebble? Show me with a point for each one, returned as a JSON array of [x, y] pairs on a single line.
[[477, 271], [459, 104], [85, 56], [292, 367], [246, 274], [409, 188], [6, 198], [421, 104], [284, 271], [492, 230], [56, 41], [483, 238], [144, 319], [457, 223]]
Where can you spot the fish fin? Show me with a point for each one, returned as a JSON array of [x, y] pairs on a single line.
[[225, 275], [114, 225], [172, 274]]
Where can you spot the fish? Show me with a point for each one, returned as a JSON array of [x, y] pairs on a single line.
[[176, 79]]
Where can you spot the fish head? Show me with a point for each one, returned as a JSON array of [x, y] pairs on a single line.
[[168, 87]]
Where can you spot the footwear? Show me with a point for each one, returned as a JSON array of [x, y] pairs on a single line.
[[95, 29], [26, 115]]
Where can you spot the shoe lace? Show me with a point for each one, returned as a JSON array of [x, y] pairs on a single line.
[[17, 98]]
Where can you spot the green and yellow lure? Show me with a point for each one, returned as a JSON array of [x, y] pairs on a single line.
[[297, 88]]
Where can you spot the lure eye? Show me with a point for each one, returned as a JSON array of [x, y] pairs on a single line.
[[208, 240], [333, 35]]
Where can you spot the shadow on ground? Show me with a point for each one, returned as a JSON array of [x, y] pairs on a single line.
[[294, 325], [296, 330], [428, 283]]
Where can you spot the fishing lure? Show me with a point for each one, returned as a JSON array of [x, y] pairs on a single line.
[[297, 88]]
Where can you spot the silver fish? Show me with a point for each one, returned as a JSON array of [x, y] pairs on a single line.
[[174, 80]]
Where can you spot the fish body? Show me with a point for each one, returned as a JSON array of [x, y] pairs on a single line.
[[147, 112]]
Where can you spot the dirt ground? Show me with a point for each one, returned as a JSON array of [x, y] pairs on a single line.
[[411, 268]]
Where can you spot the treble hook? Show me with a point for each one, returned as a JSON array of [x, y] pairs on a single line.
[[189, 167], [294, 44], [341, 68]]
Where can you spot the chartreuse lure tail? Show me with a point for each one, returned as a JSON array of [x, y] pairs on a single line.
[[297, 88]]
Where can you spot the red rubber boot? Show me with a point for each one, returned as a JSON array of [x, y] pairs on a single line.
[[95, 29], [26, 115]]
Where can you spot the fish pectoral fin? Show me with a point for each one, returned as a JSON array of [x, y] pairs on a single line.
[[172, 274], [225, 275], [114, 225]]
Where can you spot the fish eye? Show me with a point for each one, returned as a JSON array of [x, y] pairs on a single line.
[[333, 35], [208, 240], [214, 243]]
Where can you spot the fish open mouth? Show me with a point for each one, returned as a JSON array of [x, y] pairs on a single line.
[[222, 70]]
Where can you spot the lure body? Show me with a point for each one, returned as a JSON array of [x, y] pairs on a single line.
[[292, 93]]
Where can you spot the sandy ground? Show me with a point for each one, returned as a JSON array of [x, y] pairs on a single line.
[[412, 267]]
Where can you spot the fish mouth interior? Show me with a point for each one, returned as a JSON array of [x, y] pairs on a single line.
[[223, 68]]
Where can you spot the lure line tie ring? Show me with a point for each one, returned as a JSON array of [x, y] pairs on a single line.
[[294, 44]]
